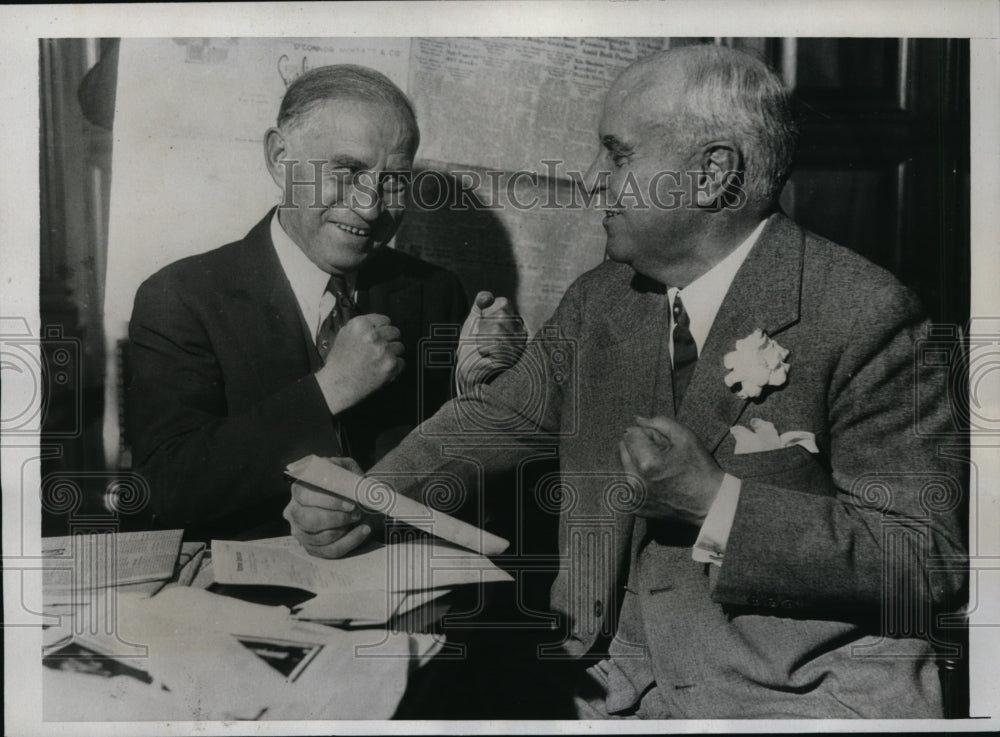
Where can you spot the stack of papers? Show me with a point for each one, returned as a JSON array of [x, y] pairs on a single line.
[[139, 637], [209, 657], [167, 648], [370, 587], [84, 575], [377, 583]]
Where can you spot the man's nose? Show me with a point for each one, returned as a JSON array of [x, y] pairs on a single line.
[[595, 180]]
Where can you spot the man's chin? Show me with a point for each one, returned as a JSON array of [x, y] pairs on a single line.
[[350, 254], [617, 253], [345, 263]]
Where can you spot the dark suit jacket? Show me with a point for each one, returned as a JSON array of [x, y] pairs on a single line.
[[223, 395], [824, 547]]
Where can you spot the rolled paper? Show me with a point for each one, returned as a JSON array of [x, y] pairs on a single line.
[[375, 495]]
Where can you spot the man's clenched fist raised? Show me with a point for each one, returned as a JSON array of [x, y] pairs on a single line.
[[366, 355]]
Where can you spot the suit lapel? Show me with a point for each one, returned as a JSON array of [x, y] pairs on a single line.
[[642, 359], [383, 288], [265, 315], [764, 294]]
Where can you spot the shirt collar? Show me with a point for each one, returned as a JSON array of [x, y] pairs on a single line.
[[703, 297], [307, 280]]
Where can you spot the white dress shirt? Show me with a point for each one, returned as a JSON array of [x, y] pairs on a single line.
[[702, 299], [307, 280]]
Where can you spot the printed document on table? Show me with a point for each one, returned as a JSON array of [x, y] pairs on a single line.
[[415, 565], [84, 562]]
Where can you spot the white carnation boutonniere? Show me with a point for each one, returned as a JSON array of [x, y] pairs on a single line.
[[757, 362]]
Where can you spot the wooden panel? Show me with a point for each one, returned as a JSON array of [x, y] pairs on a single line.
[[849, 73], [852, 206], [882, 163]]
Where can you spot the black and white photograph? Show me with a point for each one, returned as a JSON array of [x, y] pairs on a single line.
[[634, 366]]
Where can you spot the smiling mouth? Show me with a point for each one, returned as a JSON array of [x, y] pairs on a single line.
[[365, 232], [610, 213]]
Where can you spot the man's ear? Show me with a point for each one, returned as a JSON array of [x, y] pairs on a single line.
[[721, 170], [275, 153]]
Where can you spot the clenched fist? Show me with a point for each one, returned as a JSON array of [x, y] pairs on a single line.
[[366, 355], [680, 478], [492, 340]]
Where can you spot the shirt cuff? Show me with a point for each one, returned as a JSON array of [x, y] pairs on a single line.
[[710, 547]]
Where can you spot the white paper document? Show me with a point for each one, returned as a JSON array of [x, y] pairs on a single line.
[[376, 496], [417, 565], [364, 608], [82, 562]]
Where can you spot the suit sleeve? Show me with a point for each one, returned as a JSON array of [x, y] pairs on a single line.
[[202, 461], [493, 427], [890, 536]]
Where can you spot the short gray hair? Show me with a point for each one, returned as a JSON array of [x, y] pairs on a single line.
[[731, 94], [344, 82]]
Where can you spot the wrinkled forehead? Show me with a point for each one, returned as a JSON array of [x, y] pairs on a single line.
[[362, 119]]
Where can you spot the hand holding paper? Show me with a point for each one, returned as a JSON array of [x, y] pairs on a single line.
[[327, 525], [315, 509]]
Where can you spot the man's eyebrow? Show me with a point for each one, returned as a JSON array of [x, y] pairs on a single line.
[[612, 143], [349, 161]]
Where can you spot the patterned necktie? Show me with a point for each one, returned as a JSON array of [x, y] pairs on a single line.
[[685, 351], [339, 316]]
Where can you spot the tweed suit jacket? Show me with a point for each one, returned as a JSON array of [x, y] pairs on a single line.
[[823, 602], [223, 394]]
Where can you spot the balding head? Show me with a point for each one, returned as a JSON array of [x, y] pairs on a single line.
[[697, 94], [344, 82]]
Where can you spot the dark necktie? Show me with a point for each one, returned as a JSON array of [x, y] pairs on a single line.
[[339, 316], [685, 351]]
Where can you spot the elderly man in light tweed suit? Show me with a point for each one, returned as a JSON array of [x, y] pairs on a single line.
[[751, 526]]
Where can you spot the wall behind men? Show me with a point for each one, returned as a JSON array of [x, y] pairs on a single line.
[[508, 126], [504, 123]]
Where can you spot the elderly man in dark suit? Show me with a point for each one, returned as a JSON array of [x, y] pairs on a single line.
[[750, 525], [292, 340]]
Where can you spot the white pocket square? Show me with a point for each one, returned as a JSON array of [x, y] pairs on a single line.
[[762, 436]]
